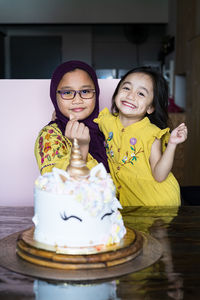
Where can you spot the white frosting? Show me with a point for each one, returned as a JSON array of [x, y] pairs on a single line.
[[77, 213], [62, 291]]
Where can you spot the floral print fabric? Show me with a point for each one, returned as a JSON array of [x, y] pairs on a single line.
[[52, 149]]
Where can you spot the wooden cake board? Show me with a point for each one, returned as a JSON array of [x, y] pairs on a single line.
[[103, 265], [91, 258]]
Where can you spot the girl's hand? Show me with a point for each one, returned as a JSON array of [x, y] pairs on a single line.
[[178, 135], [74, 129]]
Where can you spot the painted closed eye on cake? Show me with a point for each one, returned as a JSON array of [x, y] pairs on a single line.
[[65, 218]]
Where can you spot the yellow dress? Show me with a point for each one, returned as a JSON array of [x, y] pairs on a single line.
[[128, 150], [52, 149]]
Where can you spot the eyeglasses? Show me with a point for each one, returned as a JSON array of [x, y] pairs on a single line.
[[70, 94]]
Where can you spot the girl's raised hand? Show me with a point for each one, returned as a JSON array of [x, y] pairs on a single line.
[[178, 135], [74, 129]]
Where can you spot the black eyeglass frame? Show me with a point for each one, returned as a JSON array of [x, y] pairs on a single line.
[[61, 92]]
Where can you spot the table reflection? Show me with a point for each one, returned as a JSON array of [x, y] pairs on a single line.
[[175, 282], [157, 222], [175, 275], [62, 291]]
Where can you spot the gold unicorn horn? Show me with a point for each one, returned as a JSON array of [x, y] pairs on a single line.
[[77, 166]]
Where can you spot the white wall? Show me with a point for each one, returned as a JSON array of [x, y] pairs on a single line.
[[79, 11], [25, 109]]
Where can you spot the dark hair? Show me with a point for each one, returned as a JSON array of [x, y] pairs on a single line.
[[159, 117]]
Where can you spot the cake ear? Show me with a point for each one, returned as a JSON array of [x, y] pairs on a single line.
[[98, 171], [63, 178]]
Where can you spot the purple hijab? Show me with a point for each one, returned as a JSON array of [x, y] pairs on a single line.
[[96, 147]]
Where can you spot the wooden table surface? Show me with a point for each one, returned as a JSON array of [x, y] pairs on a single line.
[[175, 276]]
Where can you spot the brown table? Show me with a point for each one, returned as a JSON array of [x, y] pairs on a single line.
[[175, 276]]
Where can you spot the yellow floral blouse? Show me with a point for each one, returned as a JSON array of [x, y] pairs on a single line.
[[52, 149], [128, 150]]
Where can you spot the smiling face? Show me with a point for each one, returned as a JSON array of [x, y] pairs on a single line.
[[78, 107], [135, 97]]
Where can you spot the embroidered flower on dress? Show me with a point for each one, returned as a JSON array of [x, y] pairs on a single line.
[[41, 140], [133, 141], [47, 136], [133, 155], [111, 153], [48, 146], [48, 157], [124, 159], [110, 136]]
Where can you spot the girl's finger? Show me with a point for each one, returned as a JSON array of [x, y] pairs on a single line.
[[74, 129], [68, 128], [80, 129]]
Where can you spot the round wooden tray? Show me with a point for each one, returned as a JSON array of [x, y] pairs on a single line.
[[58, 258], [130, 237], [151, 252]]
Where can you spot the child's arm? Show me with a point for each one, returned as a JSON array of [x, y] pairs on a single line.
[[53, 150], [161, 164]]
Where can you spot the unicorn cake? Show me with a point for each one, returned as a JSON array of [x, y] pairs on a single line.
[[77, 207]]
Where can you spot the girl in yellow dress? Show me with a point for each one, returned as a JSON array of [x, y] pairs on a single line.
[[140, 149]]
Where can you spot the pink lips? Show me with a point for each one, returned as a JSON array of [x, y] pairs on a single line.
[[78, 109], [125, 103]]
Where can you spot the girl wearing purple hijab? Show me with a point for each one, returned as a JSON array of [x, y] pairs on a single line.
[[74, 92]]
